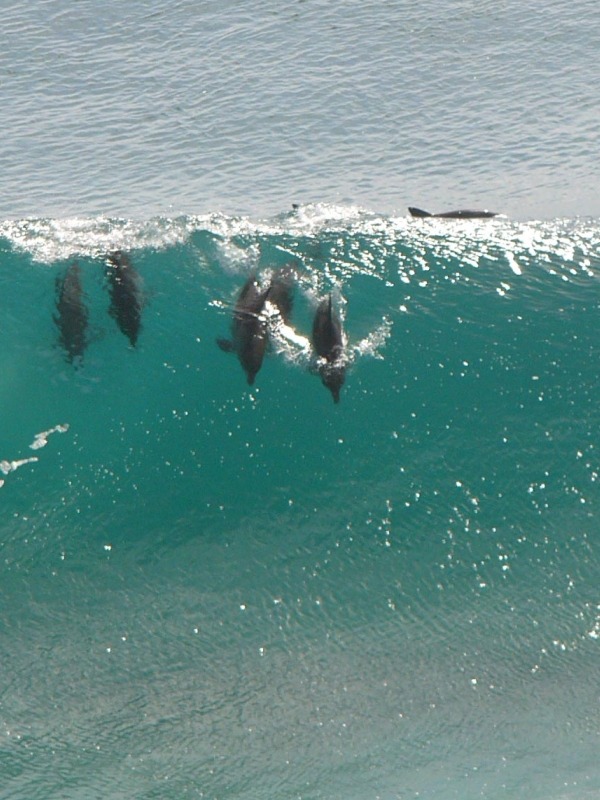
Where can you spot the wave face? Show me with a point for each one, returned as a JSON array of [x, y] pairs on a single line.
[[223, 591]]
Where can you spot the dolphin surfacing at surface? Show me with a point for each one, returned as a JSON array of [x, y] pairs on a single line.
[[248, 329], [328, 342], [462, 213], [125, 295], [72, 315]]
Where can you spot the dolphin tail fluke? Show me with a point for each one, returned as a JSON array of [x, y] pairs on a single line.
[[419, 212]]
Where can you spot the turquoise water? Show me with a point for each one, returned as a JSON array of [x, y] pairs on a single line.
[[215, 590], [210, 589]]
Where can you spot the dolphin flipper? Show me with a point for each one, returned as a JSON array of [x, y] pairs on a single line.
[[226, 345]]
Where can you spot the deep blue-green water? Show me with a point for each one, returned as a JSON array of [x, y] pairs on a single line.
[[232, 592]]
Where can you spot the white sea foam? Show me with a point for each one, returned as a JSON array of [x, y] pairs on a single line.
[[7, 467], [41, 439]]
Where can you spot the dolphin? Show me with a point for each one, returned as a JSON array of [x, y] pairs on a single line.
[[281, 293], [72, 315], [248, 328], [125, 295], [328, 342], [464, 213]]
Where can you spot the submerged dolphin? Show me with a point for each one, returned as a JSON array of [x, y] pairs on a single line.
[[281, 292], [125, 295], [72, 315], [328, 342], [464, 213], [248, 329]]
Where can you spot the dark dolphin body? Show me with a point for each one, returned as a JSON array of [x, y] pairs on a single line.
[[125, 295], [72, 315], [282, 291], [328, 343], [464, 213], [248, 329]]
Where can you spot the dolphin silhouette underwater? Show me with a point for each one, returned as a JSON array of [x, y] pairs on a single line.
[[248, 328], [328, 343], [72, 314], [281, 293], [125, 295], [461, 213]]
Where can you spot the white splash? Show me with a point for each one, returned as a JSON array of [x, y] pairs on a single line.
[[7, 467], [50, 240], [284, 339], [41, 439], [376, 339]]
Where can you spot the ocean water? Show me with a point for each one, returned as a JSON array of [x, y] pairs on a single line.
[[220, 106], [216, 590]]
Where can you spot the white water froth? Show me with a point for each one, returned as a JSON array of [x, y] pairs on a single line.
[[40, 440], [297, 349]]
